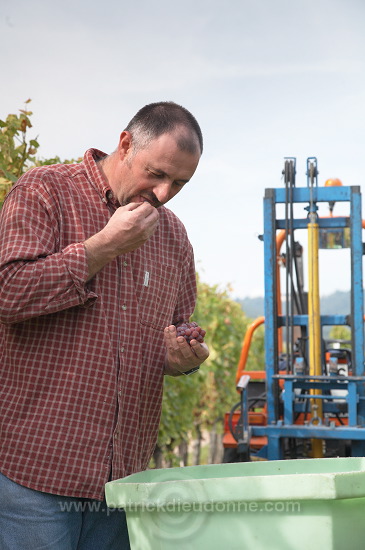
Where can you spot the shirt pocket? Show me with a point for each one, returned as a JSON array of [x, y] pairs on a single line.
[[157, 293]]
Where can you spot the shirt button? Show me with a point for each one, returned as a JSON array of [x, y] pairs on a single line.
[[122, 350], [124, 307], [125, 263]]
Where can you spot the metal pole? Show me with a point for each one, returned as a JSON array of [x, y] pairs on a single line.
[[314, 318]]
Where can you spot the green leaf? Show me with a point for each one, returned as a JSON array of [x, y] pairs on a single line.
[[8, 175]]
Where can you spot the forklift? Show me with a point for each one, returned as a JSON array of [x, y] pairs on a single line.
[[309, 399]]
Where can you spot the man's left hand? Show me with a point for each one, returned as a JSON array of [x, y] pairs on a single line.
[[182, 356]]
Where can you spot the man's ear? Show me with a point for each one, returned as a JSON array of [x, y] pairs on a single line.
[[125, 144]]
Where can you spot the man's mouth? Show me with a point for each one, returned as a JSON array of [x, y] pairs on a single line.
[[153, 201]]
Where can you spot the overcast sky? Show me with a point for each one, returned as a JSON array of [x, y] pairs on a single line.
[[266, 79]]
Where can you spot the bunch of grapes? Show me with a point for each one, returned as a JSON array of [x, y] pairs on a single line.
[[191, 331]]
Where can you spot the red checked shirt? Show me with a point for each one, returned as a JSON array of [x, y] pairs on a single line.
[[81, 363]]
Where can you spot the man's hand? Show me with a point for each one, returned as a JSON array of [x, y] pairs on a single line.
[[129, 228], [181, 356]]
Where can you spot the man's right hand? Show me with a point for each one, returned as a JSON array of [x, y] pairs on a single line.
[[129, 228]]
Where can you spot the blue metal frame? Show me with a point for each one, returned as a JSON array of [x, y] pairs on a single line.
[[271, 349], [354, 386]]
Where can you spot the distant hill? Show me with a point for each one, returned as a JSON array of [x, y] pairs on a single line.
[[337, 303], [252, 307]]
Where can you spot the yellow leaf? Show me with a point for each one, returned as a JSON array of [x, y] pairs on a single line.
[[5, 186]]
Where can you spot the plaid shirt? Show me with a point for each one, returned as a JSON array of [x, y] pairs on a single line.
[[81, 371]]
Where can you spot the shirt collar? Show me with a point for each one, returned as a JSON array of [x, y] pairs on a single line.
[[96, 177]]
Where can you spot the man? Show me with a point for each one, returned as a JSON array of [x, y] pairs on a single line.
[[95, 274]]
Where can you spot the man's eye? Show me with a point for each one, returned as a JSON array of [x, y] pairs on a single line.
[[155, 174]]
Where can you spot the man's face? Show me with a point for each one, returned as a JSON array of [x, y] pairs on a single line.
[[154, 174]]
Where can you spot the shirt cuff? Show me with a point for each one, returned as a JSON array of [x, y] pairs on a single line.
[[74, 256]]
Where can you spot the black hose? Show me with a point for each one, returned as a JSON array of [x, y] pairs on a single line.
[[261, 397]]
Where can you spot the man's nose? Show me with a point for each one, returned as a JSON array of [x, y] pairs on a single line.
[[163, 191]]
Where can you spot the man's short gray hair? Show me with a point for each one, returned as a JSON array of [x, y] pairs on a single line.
[[165, 117]]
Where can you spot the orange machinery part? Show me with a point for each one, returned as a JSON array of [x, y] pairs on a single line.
[[246, 346], [255, 418], [260, 320]]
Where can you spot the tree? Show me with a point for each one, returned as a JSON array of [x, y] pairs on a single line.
[[342, 334], [196, 404], [17, 151]]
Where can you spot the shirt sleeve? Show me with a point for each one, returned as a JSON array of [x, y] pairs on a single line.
[[37, 275]]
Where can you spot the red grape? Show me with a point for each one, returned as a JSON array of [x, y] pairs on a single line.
[[191, 331]]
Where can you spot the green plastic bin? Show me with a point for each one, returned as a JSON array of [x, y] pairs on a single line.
[[288, 505]]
